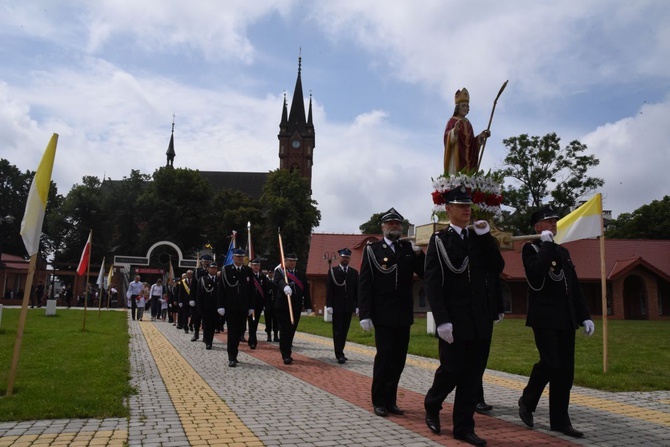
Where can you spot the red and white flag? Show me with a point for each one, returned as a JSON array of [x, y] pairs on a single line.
[[85, 256]]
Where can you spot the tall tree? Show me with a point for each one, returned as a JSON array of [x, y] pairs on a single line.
[[373, 225], [651, 221], [232, 210], [288, 205], [14, 188], [175, 206], [544, 172]]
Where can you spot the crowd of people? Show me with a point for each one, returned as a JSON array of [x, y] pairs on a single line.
[[461, 271]]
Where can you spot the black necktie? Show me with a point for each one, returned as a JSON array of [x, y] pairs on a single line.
[[464, 234]]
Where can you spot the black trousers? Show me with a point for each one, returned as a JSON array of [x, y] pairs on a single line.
[[557, 367], [485, 360], [461, 367], [341, 323], [286, 331], [271, 322], [252, 322], [133, 306], [236, 320], [209, 318], [196, 319], [392, 344]]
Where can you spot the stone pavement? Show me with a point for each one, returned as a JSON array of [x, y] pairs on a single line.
[[188, 396]]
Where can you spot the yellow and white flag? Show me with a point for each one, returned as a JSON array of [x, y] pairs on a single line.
[[36, 205], [583, 223]]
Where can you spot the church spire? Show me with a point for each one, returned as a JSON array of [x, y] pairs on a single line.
[[170, 151], [296, 118]]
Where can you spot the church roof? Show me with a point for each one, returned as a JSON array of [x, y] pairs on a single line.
[[249, 183]]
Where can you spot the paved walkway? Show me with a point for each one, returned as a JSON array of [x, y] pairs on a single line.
[[188, 396]]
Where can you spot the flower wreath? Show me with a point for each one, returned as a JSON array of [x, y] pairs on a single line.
[[484, 188]]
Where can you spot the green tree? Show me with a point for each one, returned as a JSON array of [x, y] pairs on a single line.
[[232, 210], [175, 207], [288, 205], [544, 172], [14, 188], [651, 221], [373, 225]]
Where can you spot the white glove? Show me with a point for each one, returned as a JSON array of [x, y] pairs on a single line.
[[191, 303], [221, 311], [329, 310], [251, 311], [445, 332], [288, 290], [501, 316], [415, 247], [547, 236], [482, 227], [366, 324], [357, 311], [308, 311], [589, 327], [181, 304]]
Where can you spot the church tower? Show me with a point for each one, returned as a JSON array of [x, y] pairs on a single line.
[[170, 151], [296, 134]]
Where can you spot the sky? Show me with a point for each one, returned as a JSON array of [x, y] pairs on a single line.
[[108, 76]]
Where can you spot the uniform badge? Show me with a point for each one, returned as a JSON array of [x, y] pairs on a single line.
[[386, 259], [384, 246]]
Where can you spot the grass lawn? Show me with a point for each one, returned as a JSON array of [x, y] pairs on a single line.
[[639, 351], [64, 372]]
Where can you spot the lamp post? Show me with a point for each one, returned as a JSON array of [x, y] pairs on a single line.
[[6, 219]]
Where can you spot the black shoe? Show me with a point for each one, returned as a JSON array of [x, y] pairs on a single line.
[[269, 339], [232, 363], [483, 407], [242, 339], [471, 438], [525, 414], [216, 331], [208, 346], [433, 422], [341, 360], [186, 330], [252, 346], [288, 361], [381, 411], [276, 338], [395, 410], [195, 337], [179, 327], [345, 358], [569, 431]]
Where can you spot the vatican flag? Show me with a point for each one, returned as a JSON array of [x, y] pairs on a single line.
[[583, 223]]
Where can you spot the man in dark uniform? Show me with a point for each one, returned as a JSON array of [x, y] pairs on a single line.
[[209, 297], [386, 302], [291, 287], [460, 265], [258, 300], [183, 297], [555, 310], [235, 304], [271, 322], [341, 300], [196, 317]]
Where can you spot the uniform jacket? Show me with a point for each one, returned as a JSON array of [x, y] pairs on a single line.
[[555, 298], [238, 288], [463, 298], [342, 289], [300, 299], [186, 291], [386, 282], [209, 294], [261, 291]]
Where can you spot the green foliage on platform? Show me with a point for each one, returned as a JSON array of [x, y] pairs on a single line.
[[64, 372], [638, 354]]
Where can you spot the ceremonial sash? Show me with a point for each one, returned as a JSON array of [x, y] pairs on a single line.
[[295, 279], [185, 284], [259, 287]]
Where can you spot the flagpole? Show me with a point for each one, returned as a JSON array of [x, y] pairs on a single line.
[[88, 274], [22, 324], [102, 285], [603, 287]]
